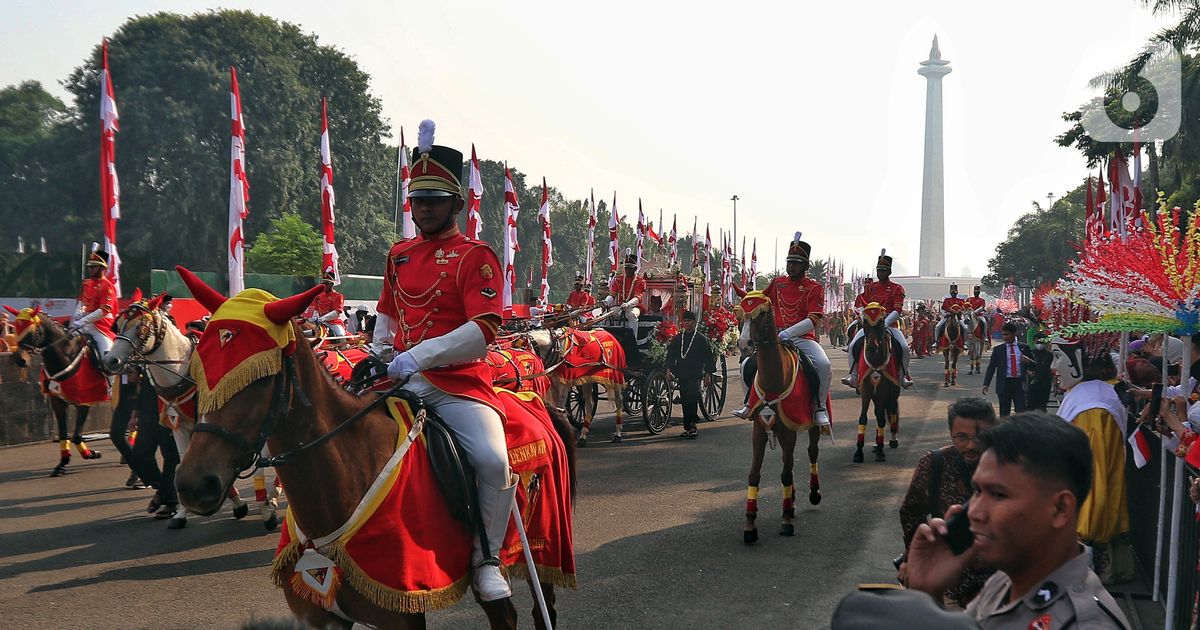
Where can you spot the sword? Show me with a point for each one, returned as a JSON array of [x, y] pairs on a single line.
[[537, 585]]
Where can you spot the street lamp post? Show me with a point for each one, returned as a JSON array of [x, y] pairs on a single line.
[[1050, 196]]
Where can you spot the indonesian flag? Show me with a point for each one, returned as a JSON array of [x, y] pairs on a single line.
[[707, 260], [547, 246], [641, 234], [110, 190], [753, 265], [1091, 227], [614, 247], [1137, 181], [511, 244], [407, 227], [695, 243], [329, 256], [1141, 448], [474, 198], [673, 242], [1123, 198], [239, 188], [726, 268], [652, 234], [591, 240]]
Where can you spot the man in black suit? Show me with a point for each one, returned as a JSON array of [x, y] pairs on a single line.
[[1008, 363]]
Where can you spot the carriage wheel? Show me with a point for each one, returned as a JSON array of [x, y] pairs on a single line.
[[712, 397], [575, 409], [631, 396], [656, 407]]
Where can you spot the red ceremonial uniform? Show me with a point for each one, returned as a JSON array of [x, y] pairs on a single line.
[[948, 302], [887, 294], [976, 303], [793, 300], [579, 299], [433, 286], [325, 302], [99, 293], [625, 288]]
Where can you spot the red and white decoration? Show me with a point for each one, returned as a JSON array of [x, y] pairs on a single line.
[[673, 243], [707, 260], [547, 245], [753, 265], [511, 244], [329, 255], [110, 190], [591, 240], [695, 244], [239, 189], [408, 229], [1140, 447], [641, 234], [614, 247], [474, 198]]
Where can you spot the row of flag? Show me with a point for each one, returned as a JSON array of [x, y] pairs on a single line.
[[1115, 208]]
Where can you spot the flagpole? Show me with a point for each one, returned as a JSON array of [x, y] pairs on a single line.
[[396, 193]]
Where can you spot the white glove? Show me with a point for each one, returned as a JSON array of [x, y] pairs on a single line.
[[608, 301], [328, 316], [402, 368], [632, 302], [891, 318]]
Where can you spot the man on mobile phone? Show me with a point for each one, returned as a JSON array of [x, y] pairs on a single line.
[[1034, 474]]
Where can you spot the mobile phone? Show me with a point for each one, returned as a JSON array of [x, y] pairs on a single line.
[[1156, 400], [959, 537]]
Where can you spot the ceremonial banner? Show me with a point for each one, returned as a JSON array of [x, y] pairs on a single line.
[[641, 234], [547, 246], [753, 266], [329, 255], [614, 247], [591, 241], [707, 260], [408, 229], [474, 198], [239, 188], [511, 245], [110, 191], [695, 243], [673, 242]]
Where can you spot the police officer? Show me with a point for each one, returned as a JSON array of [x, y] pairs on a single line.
[[1034, 474], [440, 308]]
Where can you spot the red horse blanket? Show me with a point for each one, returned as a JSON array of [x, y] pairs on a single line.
[[793, 404], [591, 356], [518, 370], [340, 363], [403, 550], [82, 385]]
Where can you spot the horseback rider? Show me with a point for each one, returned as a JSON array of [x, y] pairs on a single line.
[[327, 307], [579, 298], [97, 304], [948, 304], [799, 305], [891, 296], [627, 291], [440, 308], [978, 305]]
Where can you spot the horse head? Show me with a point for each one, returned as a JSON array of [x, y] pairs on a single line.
[[140, 330], [35, 331], [758, 321], [245, 381]]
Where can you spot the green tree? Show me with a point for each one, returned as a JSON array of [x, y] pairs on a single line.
[[1040, 244], [29, 117], [290, 246]]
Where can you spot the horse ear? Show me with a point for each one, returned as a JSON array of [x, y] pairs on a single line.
[[11, 310], [282, 311], [204, 294], [155, 301], [37, 309], [137, 295]]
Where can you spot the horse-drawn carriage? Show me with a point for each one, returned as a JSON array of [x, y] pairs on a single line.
[[647, 392]]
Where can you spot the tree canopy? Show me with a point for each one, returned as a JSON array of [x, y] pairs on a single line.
[[1040, 243], [290, 246]]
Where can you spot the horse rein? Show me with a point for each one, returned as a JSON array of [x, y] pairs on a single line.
[[159, 333]]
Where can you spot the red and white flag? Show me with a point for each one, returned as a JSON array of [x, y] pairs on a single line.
[[1141, 448], [1122, 199], [695, 244], [474, 198], [408, 229], [511, 244], [110, 190], [754, 265], [329, 255], [641, 234], [652, 235], [673, 242], [591, 238], [742, 268], [614, 247], [547, 245], [239, 189], [707, 260]]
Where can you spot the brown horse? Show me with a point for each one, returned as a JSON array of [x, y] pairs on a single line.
[[66, 361], [301, 404], [878, 383], [779, 369], [951, 344]]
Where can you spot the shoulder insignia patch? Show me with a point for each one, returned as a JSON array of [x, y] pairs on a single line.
[[488, 292], [1041, 623], [486, 272]]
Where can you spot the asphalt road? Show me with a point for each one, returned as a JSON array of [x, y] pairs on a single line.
[[658, 531]]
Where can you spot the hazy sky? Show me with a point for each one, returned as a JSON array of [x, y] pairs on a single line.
[[812, 113]]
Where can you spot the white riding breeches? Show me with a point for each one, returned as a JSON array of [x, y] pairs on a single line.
[[820, 360], [103, 343], [476, 426], [336, 330], [897, 334], [631, 319]]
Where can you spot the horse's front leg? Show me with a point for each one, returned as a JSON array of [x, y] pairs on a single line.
[[814, 477], [85, 451], [865, 397], [881, 409], [548, 595], [59, 409], [758, 443], [616, 394], [787, 443], [894, 420]]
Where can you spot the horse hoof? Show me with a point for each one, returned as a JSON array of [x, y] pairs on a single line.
[[240, 511], [271, 523], [177, 523], [58, 471], [750, 536], [858, 456], [787, 529], [894, 443], [814, 497], [581, 442], [616, 439], [880, 456], [93, 454]]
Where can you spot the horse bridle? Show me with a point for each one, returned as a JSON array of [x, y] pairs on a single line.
[[146, 330]]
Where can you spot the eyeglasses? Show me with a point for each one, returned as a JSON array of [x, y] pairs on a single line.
[[963, 438]]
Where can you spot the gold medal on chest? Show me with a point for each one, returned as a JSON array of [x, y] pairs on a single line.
[[442, 258]]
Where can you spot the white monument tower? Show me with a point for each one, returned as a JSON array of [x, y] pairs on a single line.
[[933, 199]]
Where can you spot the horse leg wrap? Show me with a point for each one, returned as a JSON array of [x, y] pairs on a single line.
[[132, 438], [879, 436], [260, 488], [84, 451], [862, 430], [789, 501], [751, 502], [814, 477]]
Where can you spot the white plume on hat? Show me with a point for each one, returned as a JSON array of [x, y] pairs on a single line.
[[797, 239], [425, 135]]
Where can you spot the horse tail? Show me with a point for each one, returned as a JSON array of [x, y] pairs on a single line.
[[566, 433]]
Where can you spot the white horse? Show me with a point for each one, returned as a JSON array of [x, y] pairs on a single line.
[[145, 335], [975, 321]]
